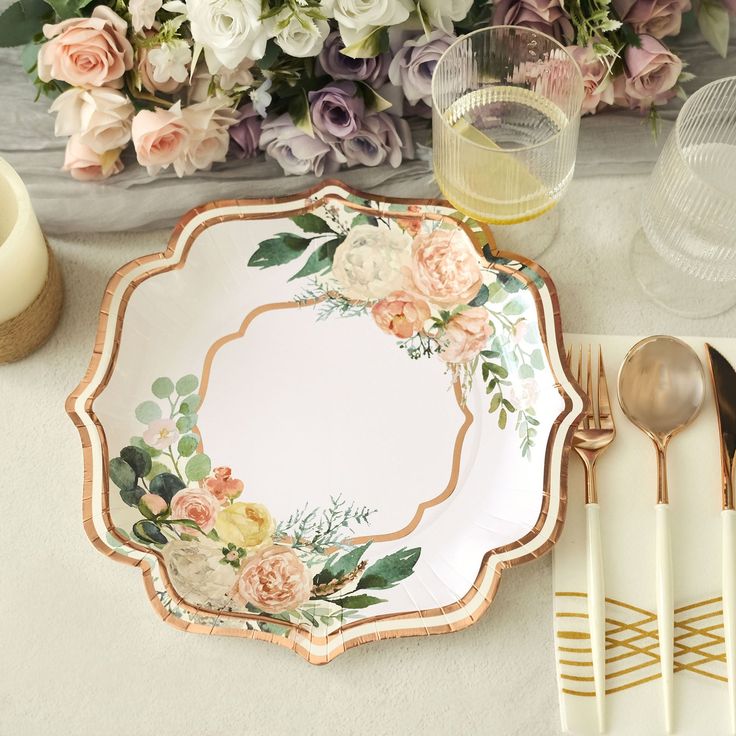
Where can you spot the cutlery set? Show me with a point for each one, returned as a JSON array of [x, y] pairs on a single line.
[[661, 389]]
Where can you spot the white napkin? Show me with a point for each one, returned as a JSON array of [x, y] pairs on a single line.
[[627, 493]]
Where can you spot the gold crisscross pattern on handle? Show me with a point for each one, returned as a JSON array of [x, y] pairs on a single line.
[[632, 643]]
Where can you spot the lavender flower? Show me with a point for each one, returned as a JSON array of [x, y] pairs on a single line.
[[245, 134], [547, 16], [295, 151], [337, 111], [373, 70], [379, 141]]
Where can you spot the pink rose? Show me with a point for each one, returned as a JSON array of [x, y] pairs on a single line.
[[547, 16], [197, 505], [85, 164], [658, 18], [209, 139], [160, 137], [100, 117], [274, 580], [400, 314], [651, 74], [146, 70], [466, 335], [223, 486], [86, 52], [597, 82], [444, 268]]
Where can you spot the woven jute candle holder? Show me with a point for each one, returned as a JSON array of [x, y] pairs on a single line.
[[27, 331]]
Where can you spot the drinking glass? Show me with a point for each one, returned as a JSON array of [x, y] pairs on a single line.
[[506, 113], [685, 254]]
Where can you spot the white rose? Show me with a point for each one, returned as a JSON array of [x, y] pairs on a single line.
[[197, 573], [240, 77], [368, 263], [442, 13], [228, 30], [170, 61], [143, 13], [100, 117], [208, 122], [359, 18], [301, 36]]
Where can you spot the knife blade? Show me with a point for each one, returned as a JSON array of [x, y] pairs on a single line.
[[724, 388]]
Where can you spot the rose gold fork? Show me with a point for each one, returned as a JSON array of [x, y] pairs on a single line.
[[593, 436]]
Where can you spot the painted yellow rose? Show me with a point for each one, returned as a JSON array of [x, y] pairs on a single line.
[[246, 525]]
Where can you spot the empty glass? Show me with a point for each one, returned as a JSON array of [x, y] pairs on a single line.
[[685, 255], [506, 113]]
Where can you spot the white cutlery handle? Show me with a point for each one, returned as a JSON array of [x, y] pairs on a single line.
[[597, 609], [728, 518], [665, 609]]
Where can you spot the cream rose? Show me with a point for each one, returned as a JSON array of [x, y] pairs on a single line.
[[160, 137], [86, 52], [197, 574], [197, 505], [401, 314], [100, 117], [444, 268], [246, 525], [299, 35], [465, 335], [274, 580], [442, 13], [208, 123], [368, 263], [85, 164], [357, 19]]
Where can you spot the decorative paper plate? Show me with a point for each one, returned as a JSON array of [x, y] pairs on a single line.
[[325, 420]]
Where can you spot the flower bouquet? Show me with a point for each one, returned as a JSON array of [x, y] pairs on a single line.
[[315, 84]]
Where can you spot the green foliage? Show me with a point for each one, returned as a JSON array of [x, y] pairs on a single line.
[[338, 567], [311, 223], [389, 570], [481, 297], [23, 20], [320, 260], [147, 412], [156, 469], [198, 467], [375, 43], [187, 445], [190, 404], [186, 422], [148, 532], [139, 442], [166, 485], [357, 601], [187, 384], [162, 388], [68, 8], [137, 459], [122, 474], [132, 496], [280, 249]]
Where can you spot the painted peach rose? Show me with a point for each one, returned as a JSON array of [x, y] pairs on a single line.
[[160, 137], [86, 52], [153, 504], [401, 314], [246, 525], [444, 268], [368, 263], [466, 335], [161, 434], [197, 505], [223, 486], [411, 225], [274, 580], [84, 164]]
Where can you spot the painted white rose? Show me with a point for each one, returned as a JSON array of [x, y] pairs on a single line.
[[368, 263], [143, 13], [197, 574], [228, 30], [443, 13], [100, 117], [357, 19], [299, 36]]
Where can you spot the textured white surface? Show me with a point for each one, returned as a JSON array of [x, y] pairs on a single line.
[[82, 647]]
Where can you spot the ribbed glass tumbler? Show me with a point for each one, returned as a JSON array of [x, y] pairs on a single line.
[[506, 113], [685, 254]]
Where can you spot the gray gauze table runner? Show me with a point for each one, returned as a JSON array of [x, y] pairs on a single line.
[[610, 144]]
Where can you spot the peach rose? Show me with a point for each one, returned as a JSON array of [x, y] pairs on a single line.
[[197, 505], [85, 164], [209, 141], [145, 72], [86, 52], [466, 335], [444, 268], [246, 525], [400, 314], [160, 137], [223, 486], [274, 580]]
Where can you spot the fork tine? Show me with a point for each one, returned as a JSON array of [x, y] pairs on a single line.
[[586, 416], [604, 402], [592, 413]]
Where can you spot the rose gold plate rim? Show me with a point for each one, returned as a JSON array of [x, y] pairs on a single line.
[[297, 639]]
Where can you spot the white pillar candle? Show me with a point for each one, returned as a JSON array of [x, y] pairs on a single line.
[[24, 261]]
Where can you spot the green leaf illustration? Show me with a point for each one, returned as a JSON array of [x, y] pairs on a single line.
[[537, 360], [320, 260], [338, 567], [389, 570], [278, 250], [156, 469], [162, 388], [502, 419], [357, 601], [495, 403], [166, 485], [139, 460], [513, 308], [122, 475], [147, 412], [22, 20], [147, 531], [139, 442], [186, 423], [363, 219], [481, 297], [132, 496], [187, 445], [526, 371], [190, 404], [496, 292], [311, 223], [198, 467], [187, 384]]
